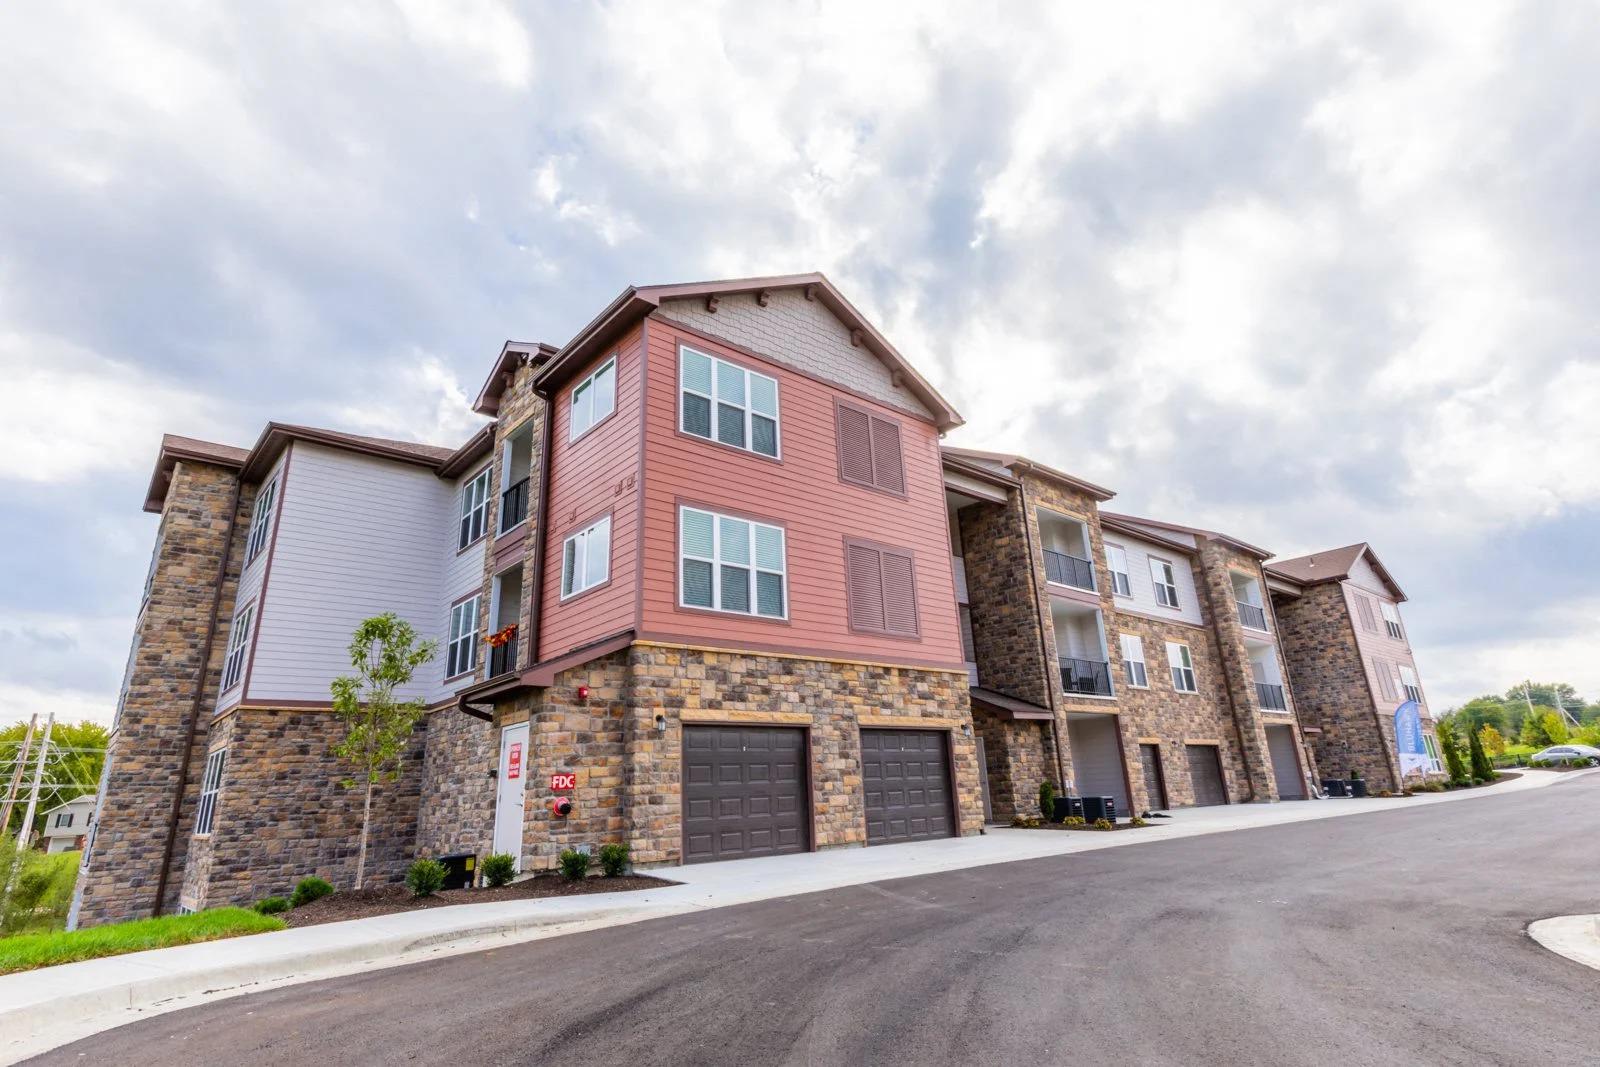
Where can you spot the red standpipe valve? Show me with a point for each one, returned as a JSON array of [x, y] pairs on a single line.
[[561, 807]]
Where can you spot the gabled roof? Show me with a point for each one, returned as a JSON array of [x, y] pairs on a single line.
[[1195, 531], [1332, 565], [511, 353], [1014, 462], [635, 302], [174, 448]]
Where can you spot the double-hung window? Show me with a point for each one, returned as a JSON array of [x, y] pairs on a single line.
[[1182, 667], [1408, 682], [238, 644], [210, 786], [1133, 661], [586, 558], [63, 820], [474, 508], [724, 402], [1391, 619], [731, 564], [594, 398], [1165, 580], [1117, 563], [461, 654], [261, 520]]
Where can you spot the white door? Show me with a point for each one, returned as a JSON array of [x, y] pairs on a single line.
[[512, 780]]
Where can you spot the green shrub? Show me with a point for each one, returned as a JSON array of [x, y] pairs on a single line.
[[309, 889], [498, 869], [575, 864], [425, 877], [613, 859], [1072, 820], [1137, 821], [1104, 824], [41, 893], [1025, 822], [1047, 801], [270, 906]]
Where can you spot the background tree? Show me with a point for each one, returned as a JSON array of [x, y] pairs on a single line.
[[1555, 728], [1450, 747], [1482, 770], [1482, 711], [1533, 731], [385, 654], [72, 769], [1545, 694], [1492, 740]]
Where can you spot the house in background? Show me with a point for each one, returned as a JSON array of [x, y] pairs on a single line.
[[66, 826]]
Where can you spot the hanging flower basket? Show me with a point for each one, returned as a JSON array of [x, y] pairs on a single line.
[[502, 637]]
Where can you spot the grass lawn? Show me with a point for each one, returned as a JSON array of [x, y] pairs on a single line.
[[27, 951]]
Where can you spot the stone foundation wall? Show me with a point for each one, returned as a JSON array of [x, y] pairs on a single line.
[[457, 795], [1019, 756]]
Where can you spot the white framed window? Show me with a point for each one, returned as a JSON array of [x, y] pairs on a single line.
[[731, 564], [1391, 619], [261, 520], [238, 643], [594, 398], [724, 402], [63, 820], [461, 653], [1165, 580], [1182, 667], [474, 508], [1133, 667], [210, 786], [1117, 563], [1408, 682], [586, 558]]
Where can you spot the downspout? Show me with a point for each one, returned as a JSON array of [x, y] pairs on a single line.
[[199, 694], [1044, 649], [1233, 705]]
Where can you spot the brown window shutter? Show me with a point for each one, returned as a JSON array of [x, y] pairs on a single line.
[[899, 593], [865, 577], [855, 445], [1364, 609], [888, 471]]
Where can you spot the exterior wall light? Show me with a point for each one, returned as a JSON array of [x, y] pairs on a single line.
[[661, 724]]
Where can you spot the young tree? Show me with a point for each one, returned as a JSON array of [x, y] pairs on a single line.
[[1492, 740], [1555, 728], [1450, 746], [1533, 733], [385, 654], [1482, 771]]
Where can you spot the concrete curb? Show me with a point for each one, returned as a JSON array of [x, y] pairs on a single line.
[[53, 1006], [1577, 937]]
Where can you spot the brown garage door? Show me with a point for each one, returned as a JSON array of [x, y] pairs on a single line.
[[907, 778], [1155, 782], [744, 792], [1205, 771]]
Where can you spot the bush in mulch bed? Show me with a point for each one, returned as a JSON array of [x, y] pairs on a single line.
[[1074, 822], [386, 900]]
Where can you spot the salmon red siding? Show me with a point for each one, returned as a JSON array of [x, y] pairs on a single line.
[[592, 477], [804, 494]]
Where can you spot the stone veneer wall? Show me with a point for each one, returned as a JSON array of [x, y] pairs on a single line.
[[1331, 692], [121, 867], [1006, 628], [519, 406], [457, 795], [1017, 753], [282, 815]]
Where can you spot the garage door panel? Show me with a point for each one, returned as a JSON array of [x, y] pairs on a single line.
[[905, 775], [1205, 773], [743, 792]]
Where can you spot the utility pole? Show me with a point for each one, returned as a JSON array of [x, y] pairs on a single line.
[[16, 774], [26, 834]]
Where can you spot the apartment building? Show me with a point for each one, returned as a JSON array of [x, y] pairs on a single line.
[[1126, 657], [692, 578], [1350, 660]]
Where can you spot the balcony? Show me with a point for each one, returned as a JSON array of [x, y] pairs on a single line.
[[1087, 677], [1252, 615], [513, 505], [1068, 570], [1271, 697], [503, 656]]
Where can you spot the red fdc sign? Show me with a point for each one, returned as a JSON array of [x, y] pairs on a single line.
[[560, 782], [514, 761]]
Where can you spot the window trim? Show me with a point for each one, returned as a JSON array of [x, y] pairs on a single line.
[[450, 639], [483, 506], [1144, 667], [59, 825], [1415, 684], [849, 607], [839, 405], [210, 788], [678, 556], [241, 650], [1156, 584], [679, 389], [614, 363], [581, 530], [1186, 666], [1391, 620], [262, 523], [1124, 573]]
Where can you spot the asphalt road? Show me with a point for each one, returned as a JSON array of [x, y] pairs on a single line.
[[1385, 938]]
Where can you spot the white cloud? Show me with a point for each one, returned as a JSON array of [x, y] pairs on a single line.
[[420, 399]]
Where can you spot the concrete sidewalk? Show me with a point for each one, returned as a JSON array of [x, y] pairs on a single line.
[[50, 1007], [1577, 937]]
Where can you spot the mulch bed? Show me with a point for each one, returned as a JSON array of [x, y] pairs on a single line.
[[1090, 828], [386, 900]]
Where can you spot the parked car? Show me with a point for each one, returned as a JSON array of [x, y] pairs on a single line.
[[1564, 754]]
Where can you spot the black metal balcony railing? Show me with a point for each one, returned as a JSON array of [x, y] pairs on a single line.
[[1088, 676], [1252, 616], [1068, 570], [503, 660], [1271, 696], [513, 505]]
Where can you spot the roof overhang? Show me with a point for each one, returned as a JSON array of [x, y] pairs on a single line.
[[512, 355], [175, 448], [1194, 531], [1008, 707], [1145, 534], [1020, 465]]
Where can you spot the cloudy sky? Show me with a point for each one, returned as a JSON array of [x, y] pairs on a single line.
[[1311, 276]]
